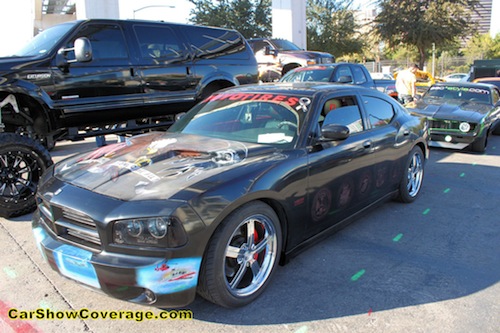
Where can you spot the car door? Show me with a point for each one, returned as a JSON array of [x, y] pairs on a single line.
[[340, 172], [164, 65], [106, 81]]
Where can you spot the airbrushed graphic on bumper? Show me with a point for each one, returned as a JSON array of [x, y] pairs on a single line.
[[159, 275]]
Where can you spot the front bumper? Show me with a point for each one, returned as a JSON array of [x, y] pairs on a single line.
[[451, 139], [145, 280]]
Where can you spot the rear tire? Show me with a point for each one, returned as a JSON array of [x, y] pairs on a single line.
[[22, 163], [413, 176], [241, 256]]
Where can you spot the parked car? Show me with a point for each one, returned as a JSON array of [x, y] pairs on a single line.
[[489, 80], [456, 77], [351, 73], [245, 180], [460, 114], [275, 57], [381, 76], [96, 77]]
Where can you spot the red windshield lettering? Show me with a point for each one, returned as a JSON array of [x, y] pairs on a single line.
[[279, 98], [266, 97], [292, 101]]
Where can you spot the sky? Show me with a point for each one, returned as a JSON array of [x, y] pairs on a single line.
[[16, 17]]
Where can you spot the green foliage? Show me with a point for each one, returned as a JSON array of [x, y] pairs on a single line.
[[252, 18], [420, 23], [331, 27], [482, 47]]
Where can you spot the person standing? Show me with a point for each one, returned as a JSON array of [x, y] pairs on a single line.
[[405, 84]]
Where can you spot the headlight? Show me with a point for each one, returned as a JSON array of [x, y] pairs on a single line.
[[153, 231], [464, 127]]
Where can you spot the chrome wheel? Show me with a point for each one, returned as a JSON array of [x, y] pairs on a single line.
[[415, 174], [241, 256], [250, 255]]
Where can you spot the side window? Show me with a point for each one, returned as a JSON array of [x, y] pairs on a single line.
[[495, 96], [342, 72], [211, 42], [158, 42], [359, 75], [380, 112], [259, 45], [342, 111], [107, 41]]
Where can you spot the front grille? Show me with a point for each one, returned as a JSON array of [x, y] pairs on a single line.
[[72, 225], [450, 125], [325, 60]]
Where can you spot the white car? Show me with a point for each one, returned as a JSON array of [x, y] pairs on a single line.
[[456, 77], [381, 76]]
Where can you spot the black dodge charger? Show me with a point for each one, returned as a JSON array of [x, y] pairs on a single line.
[[244, 180]]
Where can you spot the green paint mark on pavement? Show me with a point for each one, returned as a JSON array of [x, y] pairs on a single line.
[[397, 238], [302, 329], [426, 211], [359, 274], [10, 272], [45, 305], [447, 190]]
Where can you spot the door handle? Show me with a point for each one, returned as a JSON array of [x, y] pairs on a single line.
[[367, 144]]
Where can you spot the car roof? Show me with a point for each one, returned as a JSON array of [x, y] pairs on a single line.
[[488, 78], [463, 84], [301, 88]]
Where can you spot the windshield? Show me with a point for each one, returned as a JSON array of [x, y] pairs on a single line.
[[285, 45], [248, 117], [309, 74], [44, 41], [472, 94]]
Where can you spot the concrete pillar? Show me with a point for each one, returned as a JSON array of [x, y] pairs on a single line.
[[289, 21], [86, 9]]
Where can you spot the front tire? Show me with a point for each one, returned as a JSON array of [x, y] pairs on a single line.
[[241, 256], [413, 177], [22, 162], [479, 145]]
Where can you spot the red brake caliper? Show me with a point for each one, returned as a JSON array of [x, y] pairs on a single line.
[[255, 241]]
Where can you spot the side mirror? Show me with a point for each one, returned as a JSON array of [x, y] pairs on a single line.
[[82, 49], [334, 132], [269, 51], [345, 79]]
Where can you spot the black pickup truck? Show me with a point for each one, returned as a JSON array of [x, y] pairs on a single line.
[[95, 77], [350, 73]]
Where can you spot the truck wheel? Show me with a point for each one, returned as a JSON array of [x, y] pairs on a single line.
[[22, 162]]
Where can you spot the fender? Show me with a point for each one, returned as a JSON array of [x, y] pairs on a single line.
[[21, 87], [215, 76], [26, 88]]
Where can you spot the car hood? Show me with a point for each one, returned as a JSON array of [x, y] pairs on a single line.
[[159, 165], [453, 110]]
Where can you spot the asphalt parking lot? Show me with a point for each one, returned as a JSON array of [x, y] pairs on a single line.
[[431, 266]]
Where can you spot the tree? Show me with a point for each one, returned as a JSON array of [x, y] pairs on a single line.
[[331, 27], [252, 18], [420, 23], [482, 47]]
